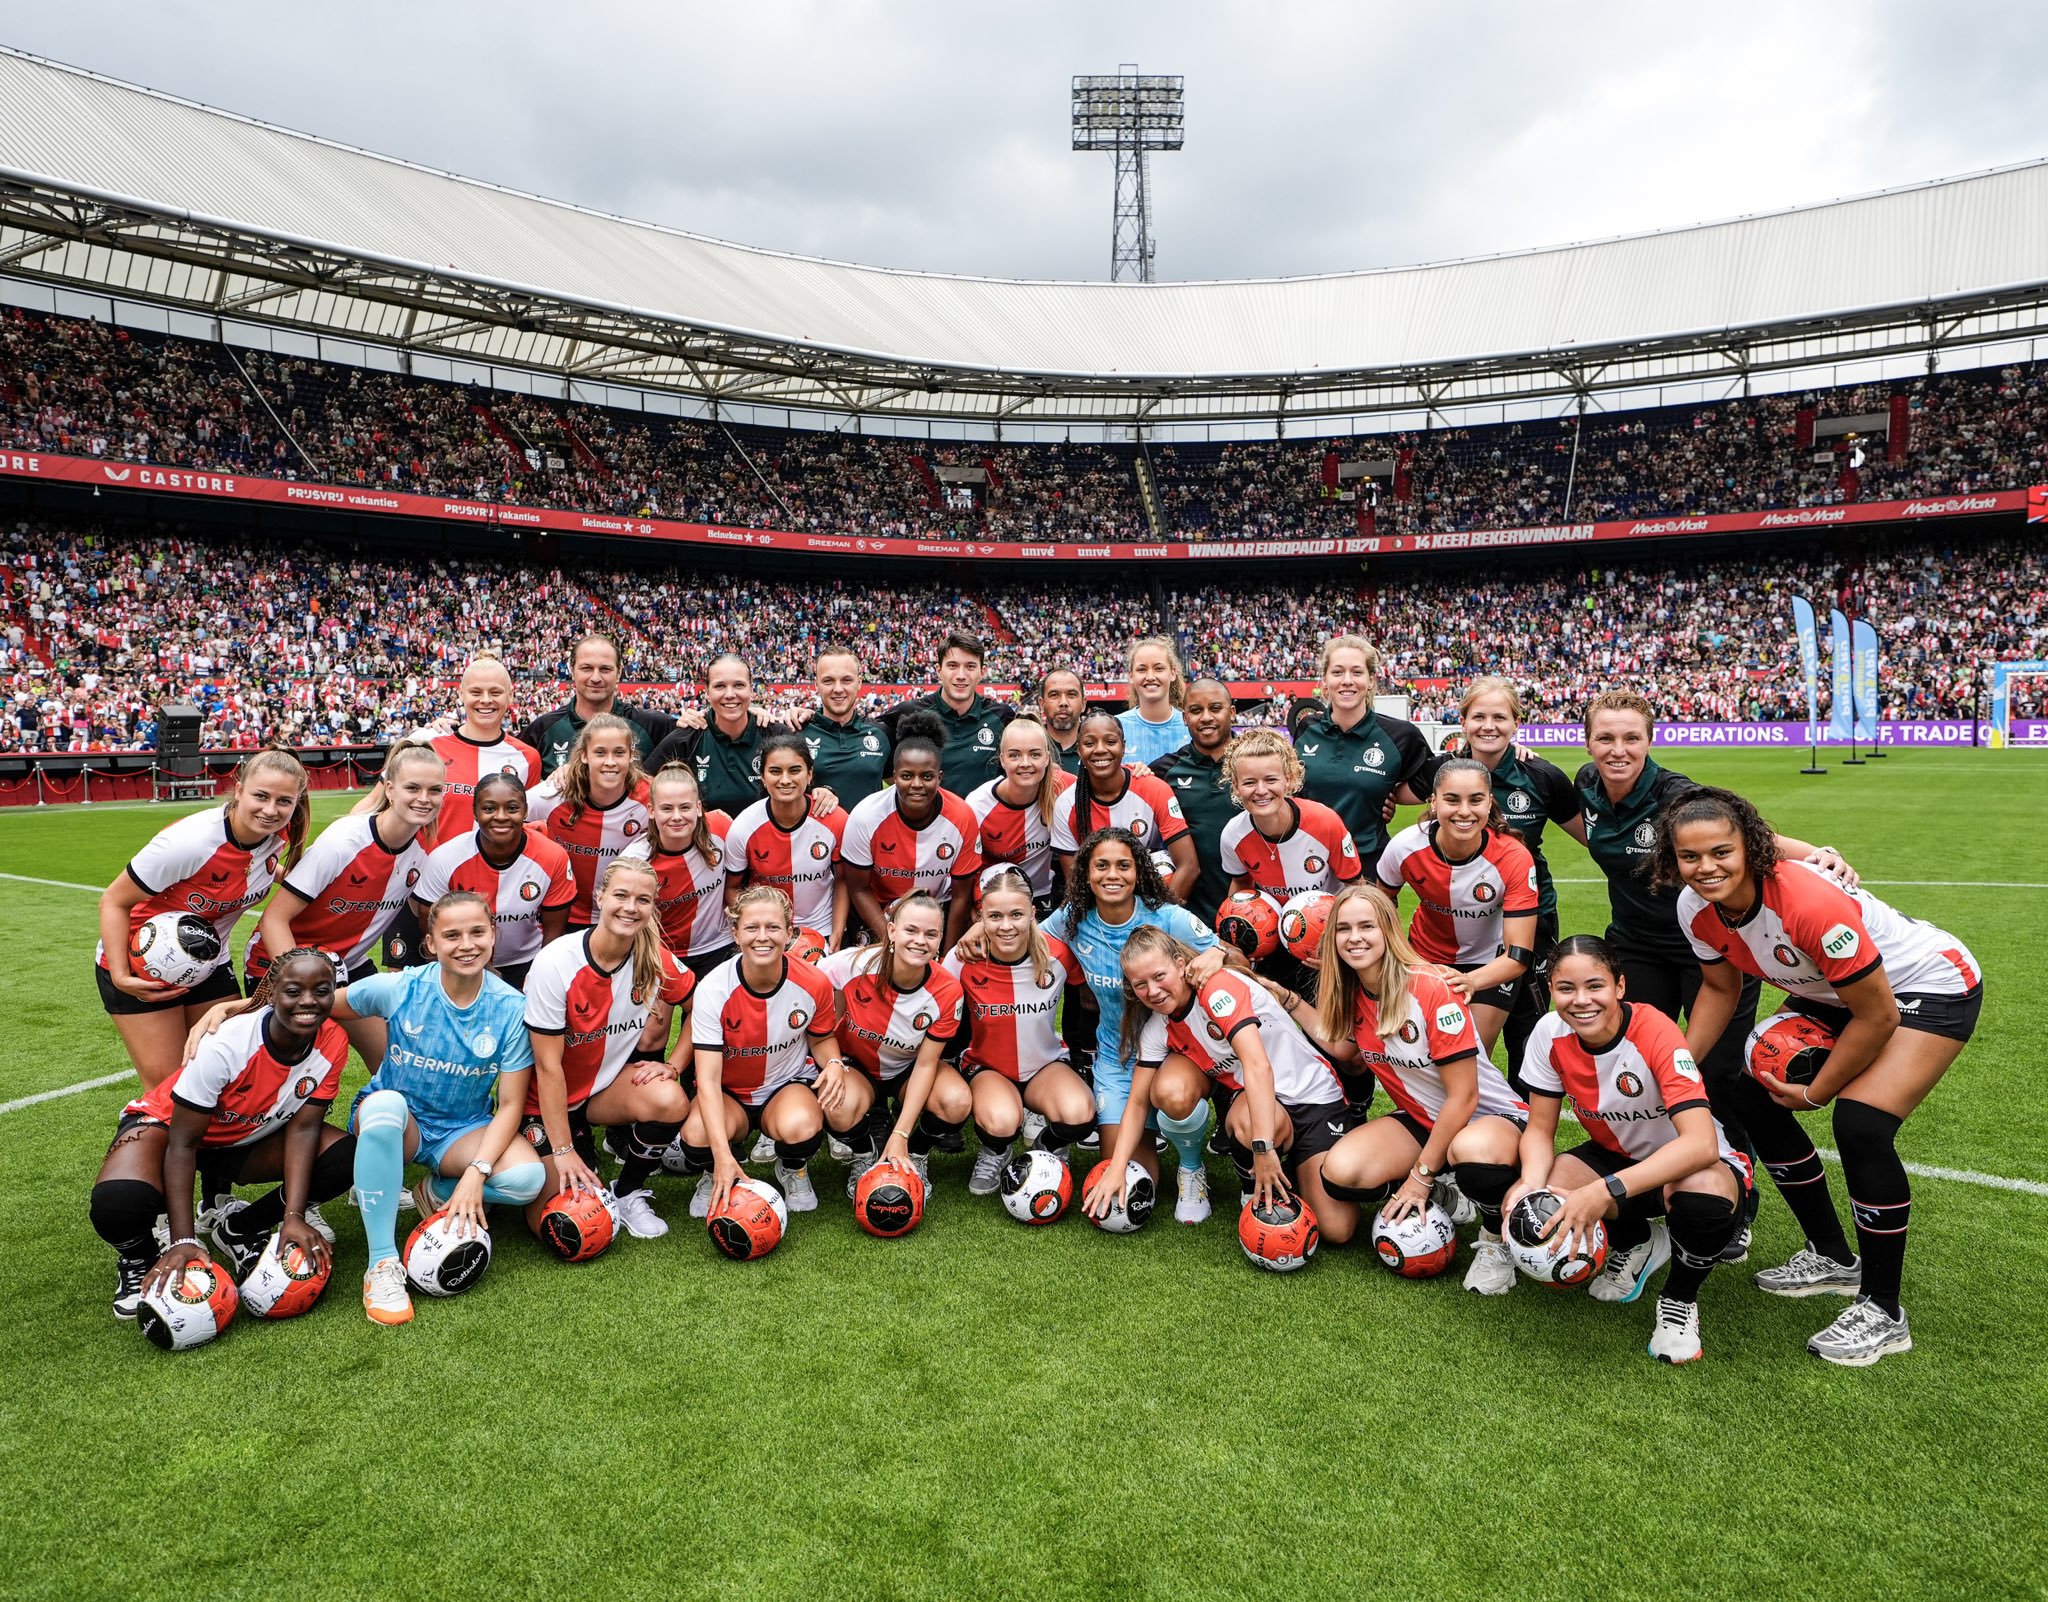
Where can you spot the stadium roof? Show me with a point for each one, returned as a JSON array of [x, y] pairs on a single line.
[[114, 188]]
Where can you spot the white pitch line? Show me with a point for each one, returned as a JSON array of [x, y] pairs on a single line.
[[55, 884], [1910, 884], [67, 1090], [1962, 1176]]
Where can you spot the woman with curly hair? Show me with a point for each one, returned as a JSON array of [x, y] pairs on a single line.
[[1878, 1005]]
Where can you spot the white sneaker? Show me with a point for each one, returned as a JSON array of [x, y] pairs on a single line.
[[797, 1194], [1492, 1272], [1812, 1273], [384, 1294], [836, 1149], [162, 1233], [988, 1169], [700, 1198], [1861, 1335], [764, 1150], [857, 1167], [319, 1225], [1627, 1273], [210, 1218], [1676, 1338], [636, 1211], [1445, 1194], [1191, 1206], [1092, 1141], [1034, 1126]]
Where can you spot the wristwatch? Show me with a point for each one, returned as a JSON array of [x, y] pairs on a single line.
[[481, 1167], [1262, 1148], [1616, 1188], [1424, 1171]]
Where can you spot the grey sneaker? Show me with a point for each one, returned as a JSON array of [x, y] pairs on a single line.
[[1861, 1335], [1812, 1273], [988, 1169], [857, 1168]]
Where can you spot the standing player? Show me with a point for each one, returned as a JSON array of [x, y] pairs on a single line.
[[593, 806], [914, 836], [1015, 1060], [783, 842], [255, 1096], [1062, 698], [598, 1005], [970, 724], [522, 875], [1110, 795], [217, 864], [1452, 1108], [1195, 775], [1153, 724], [768, 1060], [1887, 1000], [1357, 760], [594, 670], [725, 753], [1015, 812], [685, 845], [1652, 1146], [897, 1012], [850, 753], [1475, 892]]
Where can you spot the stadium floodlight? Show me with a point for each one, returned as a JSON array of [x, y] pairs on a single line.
[[1130, 114]]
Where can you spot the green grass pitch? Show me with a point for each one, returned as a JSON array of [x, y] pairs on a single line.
[[981, 1410]]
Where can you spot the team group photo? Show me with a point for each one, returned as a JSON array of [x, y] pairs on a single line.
[[980, 927]]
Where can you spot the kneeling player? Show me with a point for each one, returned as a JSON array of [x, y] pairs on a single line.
[[598, 1007], [897, 1011], [1014, 1058], [761, 1028], [1452, 1107], [254, 1098], [1652, 1144]]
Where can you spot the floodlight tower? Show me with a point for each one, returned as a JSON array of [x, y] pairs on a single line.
[[1131, 114]]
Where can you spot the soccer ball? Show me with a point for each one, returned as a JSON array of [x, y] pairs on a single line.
[[751, 1222], [1302, 921], [889, 1200], [443, 1263], [1128, 1216], [1417, 1246], [807, 945], [576, 1225], [175, 948], [1250, 922], [1036, 1187], [286, 1281], [1544, 1260], [1281, 1236], [196, 1305], [1789, 1046]]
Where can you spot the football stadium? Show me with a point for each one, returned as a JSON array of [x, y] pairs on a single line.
[[761, 926]]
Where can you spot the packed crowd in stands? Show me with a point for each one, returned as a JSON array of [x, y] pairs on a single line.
[[85, 388], [281, 641]]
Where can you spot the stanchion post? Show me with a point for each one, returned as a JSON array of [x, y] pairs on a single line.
[[156, 792], [40, 799]]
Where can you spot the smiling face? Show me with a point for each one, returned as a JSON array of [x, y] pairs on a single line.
[[838, 679], [676, 809], [1113, 875], [915, 934], [1209, 715], [1619, 744], [1260, 785], [610, 758], [264, 802], [1489, 725], [462, 938], [917, 783], [1101, 749], [1025, 755], [1348, 682], [1157, 979], [959, 675], [1461, 804], [302, 993], [1359, 939], [786, 776], [627, 901], [1007, 919], [1587, 996], [485, 697], [729, 691], [1152, 676], [1711, 860], [501, 816], [415, 790], [761, 931], [595, 673]]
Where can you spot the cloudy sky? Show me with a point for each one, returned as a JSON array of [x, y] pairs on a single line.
[[1321, 137]]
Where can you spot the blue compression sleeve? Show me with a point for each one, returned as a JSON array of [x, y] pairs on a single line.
[[380, 1169], [1186, 1134]]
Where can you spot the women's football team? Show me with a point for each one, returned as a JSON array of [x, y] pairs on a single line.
[[1025, 944]]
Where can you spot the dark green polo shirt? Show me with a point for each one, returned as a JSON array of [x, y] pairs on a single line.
[[1207, 804], [973, 738], [1621, 840], [852, 758], [1353, 771], [728, 769]]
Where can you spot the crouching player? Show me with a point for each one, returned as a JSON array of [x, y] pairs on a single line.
[[254, 1098], [1652, 1145], [1277, 1098], [598, 1008], [1452, 1107], [1014, 1058]]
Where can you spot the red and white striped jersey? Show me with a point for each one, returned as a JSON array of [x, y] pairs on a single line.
[[1408, 1059], [691, 896], [1624, 1096], [1316, 854], [1010, 833], [802, 862], [1147, 808], [1460, 905], [1806, 935], [353, 885], [240, 1082], [904, 858], [764, 1038], [591, 840], [539, 878], [1013, 1021], [196, 865], [470, 760], [594, 1010], [881, 1027], [1206, 1032]]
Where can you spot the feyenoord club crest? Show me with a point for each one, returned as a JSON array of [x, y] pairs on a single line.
[[1628, 1083]]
